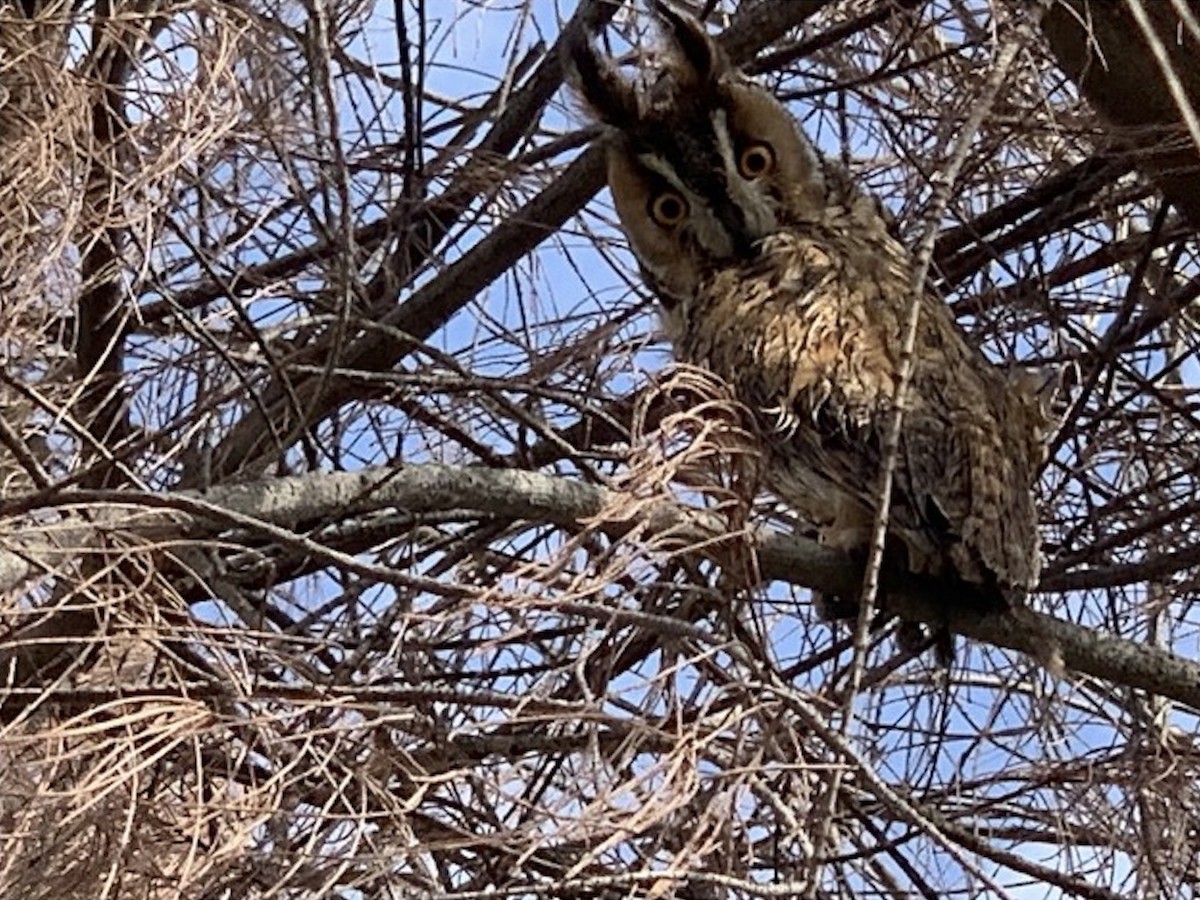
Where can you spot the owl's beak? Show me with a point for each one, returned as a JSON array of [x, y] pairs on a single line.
[[745, 234], [740, 232], [745, 245]]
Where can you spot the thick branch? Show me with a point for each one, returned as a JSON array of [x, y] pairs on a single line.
[[250, 443], [1102, 49], [292, 502], [102, 307]]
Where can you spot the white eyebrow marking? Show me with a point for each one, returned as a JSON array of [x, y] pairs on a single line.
[[720, 122], [758, 215], [660, 166]]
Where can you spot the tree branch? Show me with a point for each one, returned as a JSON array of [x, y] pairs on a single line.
[[298, 501], [1101, 47]]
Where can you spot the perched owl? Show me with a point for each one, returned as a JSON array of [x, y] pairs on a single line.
[[781, 277]]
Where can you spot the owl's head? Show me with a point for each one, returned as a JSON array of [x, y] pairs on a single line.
[[703, 163]]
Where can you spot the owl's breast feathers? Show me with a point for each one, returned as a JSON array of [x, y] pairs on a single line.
[[809, 333]]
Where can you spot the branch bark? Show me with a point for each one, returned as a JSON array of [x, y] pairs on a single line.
[[297, 501], [1105, 51]]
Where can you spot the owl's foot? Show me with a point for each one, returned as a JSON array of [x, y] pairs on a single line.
[[911, 637], [915, 638], [834, 608]]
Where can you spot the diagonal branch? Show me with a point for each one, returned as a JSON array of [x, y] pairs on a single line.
[[286, 411]]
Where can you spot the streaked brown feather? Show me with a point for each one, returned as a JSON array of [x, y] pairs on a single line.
[[812, 328], [790, 287]]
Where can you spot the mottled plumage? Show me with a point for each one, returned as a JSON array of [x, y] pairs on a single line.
[[778, 275]]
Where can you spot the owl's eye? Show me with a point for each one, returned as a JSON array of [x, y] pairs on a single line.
[[756, 160], [668, 209]]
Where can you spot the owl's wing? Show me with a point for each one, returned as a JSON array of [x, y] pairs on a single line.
[[810, 334]]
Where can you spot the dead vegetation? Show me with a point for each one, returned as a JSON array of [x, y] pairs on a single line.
[[357, 541]]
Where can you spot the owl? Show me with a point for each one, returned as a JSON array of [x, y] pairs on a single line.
[[778, 274]]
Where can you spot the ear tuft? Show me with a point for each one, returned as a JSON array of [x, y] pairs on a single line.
[[610, 98], [701, 53]]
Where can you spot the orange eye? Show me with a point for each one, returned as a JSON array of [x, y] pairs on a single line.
[[756, 160], [668, 209]]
